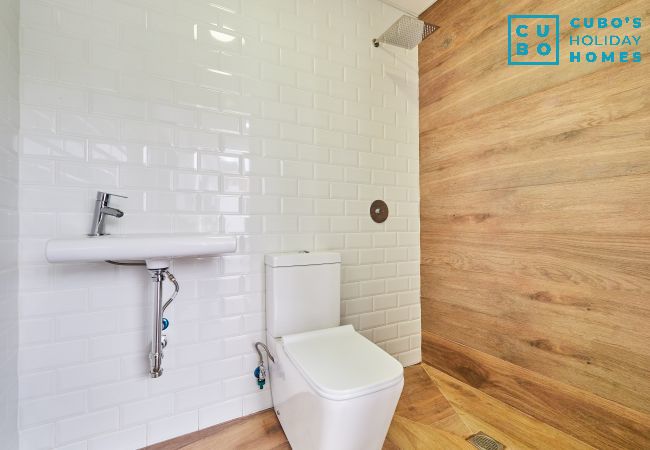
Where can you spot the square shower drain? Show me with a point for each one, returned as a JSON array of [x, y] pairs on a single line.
[[482, 441]]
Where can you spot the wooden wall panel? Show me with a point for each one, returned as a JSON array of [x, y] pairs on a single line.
[[535, 216], [476, 63]]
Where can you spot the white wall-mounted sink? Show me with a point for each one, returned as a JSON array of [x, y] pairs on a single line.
[[157, 250]]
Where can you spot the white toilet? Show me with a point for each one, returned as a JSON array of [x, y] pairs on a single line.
[[332, 388]]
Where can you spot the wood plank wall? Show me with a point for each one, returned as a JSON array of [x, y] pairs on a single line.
[[535, 216]]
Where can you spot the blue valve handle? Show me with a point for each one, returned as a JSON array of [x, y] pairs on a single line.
[[165, 323], [260, 381]]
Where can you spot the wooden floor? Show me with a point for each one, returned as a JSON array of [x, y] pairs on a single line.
[[435, 412]]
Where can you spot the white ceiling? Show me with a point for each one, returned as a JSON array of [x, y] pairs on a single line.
[[413, 7]]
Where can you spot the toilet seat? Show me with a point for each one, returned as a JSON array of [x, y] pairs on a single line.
[[340, 364]]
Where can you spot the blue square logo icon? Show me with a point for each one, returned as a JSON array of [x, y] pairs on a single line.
[[533, 40]]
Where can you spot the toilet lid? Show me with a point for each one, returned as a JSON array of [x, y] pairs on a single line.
[[339, 363]]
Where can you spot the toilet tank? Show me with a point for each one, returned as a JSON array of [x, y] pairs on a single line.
[[303, 292]]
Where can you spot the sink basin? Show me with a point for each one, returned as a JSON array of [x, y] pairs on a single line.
[[156, 250]]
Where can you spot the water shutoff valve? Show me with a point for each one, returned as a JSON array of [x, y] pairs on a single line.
[[260, 374], [260, 371]]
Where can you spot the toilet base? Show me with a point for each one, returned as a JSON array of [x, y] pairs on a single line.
[[312, 422]]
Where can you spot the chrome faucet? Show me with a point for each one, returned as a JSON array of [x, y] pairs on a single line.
[[101, 211]]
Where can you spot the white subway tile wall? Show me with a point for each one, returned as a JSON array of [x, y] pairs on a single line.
[[275, 122], [9, 230]]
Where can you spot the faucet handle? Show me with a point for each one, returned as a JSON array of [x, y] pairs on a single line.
[[105, 196]]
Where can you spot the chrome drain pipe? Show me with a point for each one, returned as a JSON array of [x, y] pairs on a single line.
[[159, 340], [156, 355]]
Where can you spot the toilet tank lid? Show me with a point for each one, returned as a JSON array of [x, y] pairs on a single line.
[[301, 259]]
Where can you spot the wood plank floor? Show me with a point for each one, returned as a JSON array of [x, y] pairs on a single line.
[[435, 412]]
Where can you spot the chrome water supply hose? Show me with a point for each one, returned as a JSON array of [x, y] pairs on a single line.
[[177, 288], [260, 370]]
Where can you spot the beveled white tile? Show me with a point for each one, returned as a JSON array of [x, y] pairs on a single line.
[[54, 96], [38, 119], [220, 122], [272, 123], [88, 126], [220, 163], [72, 173]]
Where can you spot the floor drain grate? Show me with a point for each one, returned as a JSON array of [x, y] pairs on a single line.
[[484, 442]]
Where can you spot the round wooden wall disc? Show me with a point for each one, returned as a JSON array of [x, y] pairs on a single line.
[[379, 211]]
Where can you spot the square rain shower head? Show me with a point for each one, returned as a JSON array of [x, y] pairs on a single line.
[[407, 32]]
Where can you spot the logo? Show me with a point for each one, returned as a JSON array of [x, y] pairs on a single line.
[[605, 40], [533, 40]]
